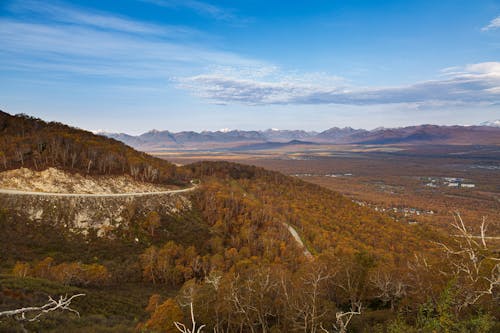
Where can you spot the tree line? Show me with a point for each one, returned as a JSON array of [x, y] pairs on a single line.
[[33, 143]]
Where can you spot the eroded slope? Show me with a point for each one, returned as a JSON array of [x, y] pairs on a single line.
[[57, 181]]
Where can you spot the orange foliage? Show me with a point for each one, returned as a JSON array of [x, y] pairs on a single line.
[[74, 273], [163, 318]]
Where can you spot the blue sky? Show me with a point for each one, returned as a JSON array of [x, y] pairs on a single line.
[[133, 65]]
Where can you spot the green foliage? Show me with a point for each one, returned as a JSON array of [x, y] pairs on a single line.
[[399, 325], [440, 317], [480, 323]]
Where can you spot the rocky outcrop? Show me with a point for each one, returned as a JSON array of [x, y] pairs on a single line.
[[100, 213], [58, 181]]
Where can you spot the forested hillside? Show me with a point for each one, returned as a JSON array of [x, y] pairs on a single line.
[[29, 142], [231, 257]]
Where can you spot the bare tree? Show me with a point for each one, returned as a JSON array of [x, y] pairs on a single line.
[[390, 288], [33, 313], [473, 263], [214, 281], [182, 328], [344, 318], [20, 156], [74, 157], [239, 304], [303, 299], [421, 278], [3, 157], [89, 165], [252, 297]]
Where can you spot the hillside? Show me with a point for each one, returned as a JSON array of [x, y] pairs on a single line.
[[227, 247], [235, 223], [33, 143]]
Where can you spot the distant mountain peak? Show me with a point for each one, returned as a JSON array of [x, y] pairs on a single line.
[[493, 123], [487, 133]]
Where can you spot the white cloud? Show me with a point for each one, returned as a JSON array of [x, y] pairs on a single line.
[[494, 24], [63, 39], [485, 69], [200, 7], [472, 84], [60, 13]]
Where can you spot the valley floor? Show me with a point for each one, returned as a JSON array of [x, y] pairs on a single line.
[[410, 183]]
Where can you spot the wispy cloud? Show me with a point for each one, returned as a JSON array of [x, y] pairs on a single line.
[[49, 13], [63, 39], [202, 8], [476, 83], [494, 24], [58, 12]]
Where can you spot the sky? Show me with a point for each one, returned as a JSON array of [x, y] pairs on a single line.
[[135, 65]]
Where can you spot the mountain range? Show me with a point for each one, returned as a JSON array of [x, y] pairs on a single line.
[[486, 134]]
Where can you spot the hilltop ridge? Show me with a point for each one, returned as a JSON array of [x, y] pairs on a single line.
[[30, 142]]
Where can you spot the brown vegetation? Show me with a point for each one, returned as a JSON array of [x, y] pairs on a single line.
[[73, 273], [230, 256], [33, 143]]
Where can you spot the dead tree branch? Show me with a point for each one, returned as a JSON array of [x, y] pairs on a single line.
[[472, 262], [183, 329], [343, 319], [33, 313]]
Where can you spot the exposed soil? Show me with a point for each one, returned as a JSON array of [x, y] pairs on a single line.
[[57, 181]]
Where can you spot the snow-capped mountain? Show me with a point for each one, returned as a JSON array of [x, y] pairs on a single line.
[[487, 133], [493, 123]]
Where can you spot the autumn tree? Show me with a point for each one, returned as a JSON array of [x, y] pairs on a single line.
[[149, 262], [151, 222], [21, 269], [71, 273], [164, 316]]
